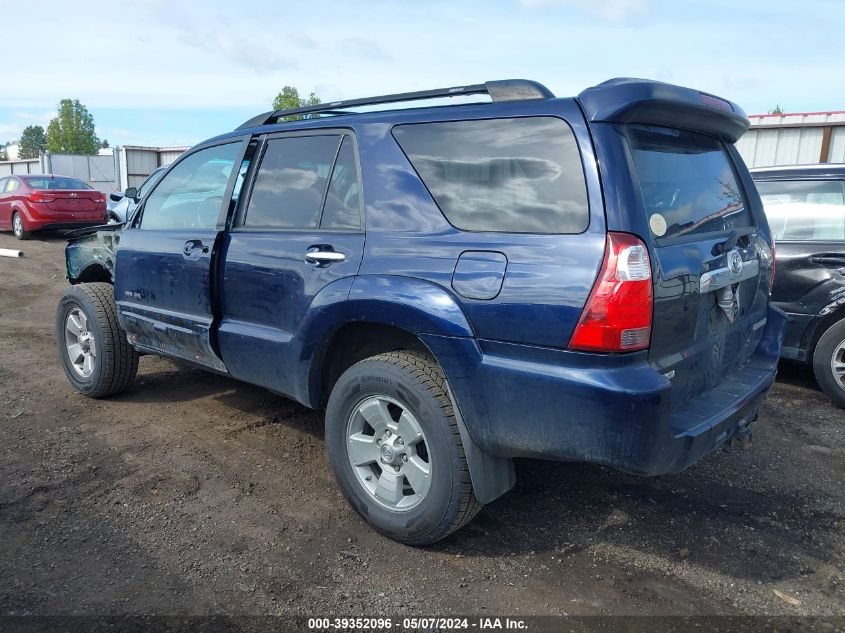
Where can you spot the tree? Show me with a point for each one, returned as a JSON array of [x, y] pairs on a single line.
[[289, 98], [33, 142], [72, 130], [105, 143], [776, 110]]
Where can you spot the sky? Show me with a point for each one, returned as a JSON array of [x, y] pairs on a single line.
[[175, 72]]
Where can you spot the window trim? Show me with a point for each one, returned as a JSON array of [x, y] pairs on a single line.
[[541, 115], [225, 205], [238, 225]]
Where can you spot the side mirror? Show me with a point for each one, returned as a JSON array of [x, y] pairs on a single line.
[[131, 192], [116, 196]]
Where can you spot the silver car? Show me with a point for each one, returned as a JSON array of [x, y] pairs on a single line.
[[121, 205]]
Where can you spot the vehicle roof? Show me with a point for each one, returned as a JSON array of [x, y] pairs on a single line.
[[799, 172], [621, 99], [393, 115]]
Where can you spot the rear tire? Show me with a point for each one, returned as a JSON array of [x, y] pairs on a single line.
[[409, 388], [18, 227], [97, 359], [829, 356]]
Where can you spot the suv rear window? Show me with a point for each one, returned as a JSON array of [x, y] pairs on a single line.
[[687, 182], [520, 175], [805, 210]]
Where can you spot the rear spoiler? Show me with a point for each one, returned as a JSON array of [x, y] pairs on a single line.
[[626, 100]]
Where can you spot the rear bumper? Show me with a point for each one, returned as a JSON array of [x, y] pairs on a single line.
[[521, 401], [75, 224], [39, 219]]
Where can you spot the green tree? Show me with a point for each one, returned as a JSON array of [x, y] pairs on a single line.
[[72, 130], [289, 98], [776, 110], [105, 144], [33, 142]]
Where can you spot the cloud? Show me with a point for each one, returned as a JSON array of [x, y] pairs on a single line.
[[362, 47], [610, 10]]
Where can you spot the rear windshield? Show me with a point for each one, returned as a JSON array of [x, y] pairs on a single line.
[[58, 182], [508, 175], [687, 181], [805, 210]]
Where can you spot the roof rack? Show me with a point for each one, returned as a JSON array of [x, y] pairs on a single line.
[[500, 90]]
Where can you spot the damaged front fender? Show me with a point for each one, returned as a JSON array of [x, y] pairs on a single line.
[[90, 254]]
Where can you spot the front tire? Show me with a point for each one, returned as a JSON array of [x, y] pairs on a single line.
[[97, 359], [395, 449], [18, 227], [829, 362]]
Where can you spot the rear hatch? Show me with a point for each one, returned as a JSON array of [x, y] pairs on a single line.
[[710, 259]]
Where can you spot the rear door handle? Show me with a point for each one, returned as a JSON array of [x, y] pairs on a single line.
[[324, 257]]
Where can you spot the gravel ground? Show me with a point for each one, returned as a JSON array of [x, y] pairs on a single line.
[[195, 494]]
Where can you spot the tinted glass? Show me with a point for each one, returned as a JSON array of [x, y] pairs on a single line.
[[291, 182], [509, 175], [13, 184], [805, 210], [56, 182], [191, 194], [342, 209], [687, 182]]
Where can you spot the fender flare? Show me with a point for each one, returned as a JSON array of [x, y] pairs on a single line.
[[418, 307]]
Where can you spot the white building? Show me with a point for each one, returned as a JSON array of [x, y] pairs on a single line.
[[794, 139]]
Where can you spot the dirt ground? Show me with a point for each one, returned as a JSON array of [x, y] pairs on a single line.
[[196, 494]]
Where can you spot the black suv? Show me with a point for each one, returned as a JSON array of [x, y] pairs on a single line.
[[806, 210]]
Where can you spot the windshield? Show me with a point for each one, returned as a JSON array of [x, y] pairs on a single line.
[[56, 182], [687, 182]]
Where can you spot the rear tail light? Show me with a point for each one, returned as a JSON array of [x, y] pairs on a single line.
[[37, 196], [617, 316]]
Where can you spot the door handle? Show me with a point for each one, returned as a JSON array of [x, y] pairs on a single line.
[[194, 248], [324, 257], [829, 259]]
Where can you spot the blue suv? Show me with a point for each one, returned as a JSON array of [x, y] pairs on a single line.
[[559, 278]]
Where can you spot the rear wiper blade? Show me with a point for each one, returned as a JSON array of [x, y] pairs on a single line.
[[736, 235]]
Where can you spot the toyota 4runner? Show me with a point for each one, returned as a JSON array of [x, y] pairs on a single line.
[[559, 278]]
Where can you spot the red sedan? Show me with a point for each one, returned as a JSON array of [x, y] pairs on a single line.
[[33, 202]]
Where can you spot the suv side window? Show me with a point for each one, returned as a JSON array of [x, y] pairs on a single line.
[[519, 175], [291, 181], [191, 194], [342, 210]]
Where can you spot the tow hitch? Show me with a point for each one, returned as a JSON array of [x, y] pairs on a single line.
[[743, 437]]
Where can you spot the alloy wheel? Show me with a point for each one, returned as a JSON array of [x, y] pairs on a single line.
[[387, 450], [80, 343]]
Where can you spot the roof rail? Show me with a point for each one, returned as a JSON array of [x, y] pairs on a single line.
[[500, 90]]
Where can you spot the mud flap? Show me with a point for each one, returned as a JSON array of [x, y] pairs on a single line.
[[491, 476]]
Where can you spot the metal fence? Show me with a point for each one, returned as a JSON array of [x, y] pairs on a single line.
[[99, 171], [794, 139], [30, 166], [127, 166]]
